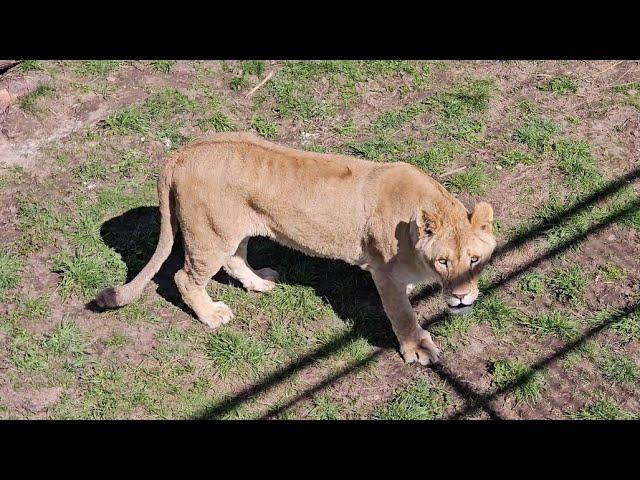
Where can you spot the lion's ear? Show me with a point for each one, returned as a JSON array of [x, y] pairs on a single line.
[[482, 217], [424, 224]]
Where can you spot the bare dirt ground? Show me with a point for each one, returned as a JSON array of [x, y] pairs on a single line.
[[554, 146]]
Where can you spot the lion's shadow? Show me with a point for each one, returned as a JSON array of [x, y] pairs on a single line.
[[349, 290]]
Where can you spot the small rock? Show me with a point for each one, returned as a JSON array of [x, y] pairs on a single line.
[[111, 79], [91, 186], [142, 139], [611, 238], [167, 142], [498, 167]]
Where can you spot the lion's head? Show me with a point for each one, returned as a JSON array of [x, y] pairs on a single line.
[[457, 249]]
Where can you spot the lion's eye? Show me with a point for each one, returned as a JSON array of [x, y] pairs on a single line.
[[443, 261], [475, 259]]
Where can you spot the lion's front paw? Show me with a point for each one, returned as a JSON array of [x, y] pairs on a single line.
[[420, 349], [217, 316]]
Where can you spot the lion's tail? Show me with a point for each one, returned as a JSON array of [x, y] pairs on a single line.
[[125, 294]]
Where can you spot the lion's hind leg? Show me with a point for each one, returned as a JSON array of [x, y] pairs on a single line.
[[204, 256], [237, 266]]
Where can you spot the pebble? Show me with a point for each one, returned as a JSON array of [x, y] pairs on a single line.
[[498, 167], [611, 238]]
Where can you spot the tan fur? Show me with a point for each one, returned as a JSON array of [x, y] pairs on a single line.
[[390, 219]]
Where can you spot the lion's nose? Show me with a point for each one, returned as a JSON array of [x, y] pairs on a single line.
[[459, 296]]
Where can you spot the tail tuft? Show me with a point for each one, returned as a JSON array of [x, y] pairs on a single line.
[[110, 298]]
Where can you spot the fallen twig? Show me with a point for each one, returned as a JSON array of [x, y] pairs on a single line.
[[609, 67], [623, 84], [451, 172], [632, 67], [264, 80]]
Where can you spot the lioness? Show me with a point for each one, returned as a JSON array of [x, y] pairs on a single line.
[[390, 219]]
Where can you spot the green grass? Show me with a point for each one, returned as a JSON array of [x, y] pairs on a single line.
[[35, 308], [474, 180], [532, 284], [561, 85], [630, 93], [30, 65], [460, 108], [29, 102], [153, 116], [561, 229], [135, 313], [12, 175], [37, 223], [537, 133], [496, 313], [234, 352], [132, 164], [163, 66], [353, 351], [417, 401], [568, 284], [286, 335], [517, 378], [393, 120], [217, 122], [293, 86], [554, 323], [92, 169], [10, 271], [85, 274], [619, 369], [347, 129], [116, 340], [588, 350], [574, 158], [98, 67], [324, 408], [109, 393], [128, 120], [610, 272], [27, 352], [68, 340], [239, 82], [626, 326], [253, 67], [265, 127], [294, 301], [451, 330], [376, 148], [606, 409], [435, 158], [511, 158], [526, 107]]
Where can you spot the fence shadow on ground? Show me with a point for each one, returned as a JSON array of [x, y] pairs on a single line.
[[347, 289]]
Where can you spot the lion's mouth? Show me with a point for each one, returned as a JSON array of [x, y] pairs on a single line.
[[460, 309]]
